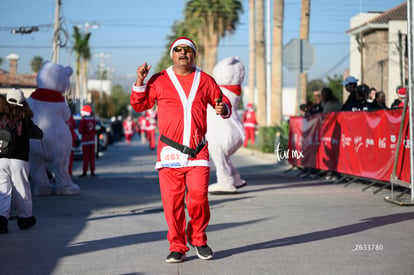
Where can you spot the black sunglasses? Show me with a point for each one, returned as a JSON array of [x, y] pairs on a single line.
[[186, 49]]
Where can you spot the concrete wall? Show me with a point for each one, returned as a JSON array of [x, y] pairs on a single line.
[[355, 56], [394, 59]]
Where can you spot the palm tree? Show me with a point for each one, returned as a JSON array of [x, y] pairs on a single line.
[[277, 62], [82, 50], [36, 63], [86, 56], [260, 64], [212, 19]]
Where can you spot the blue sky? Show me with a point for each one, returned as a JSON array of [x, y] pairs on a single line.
[[131, 32]]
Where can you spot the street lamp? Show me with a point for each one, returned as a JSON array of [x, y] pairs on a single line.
[[88, 25], [84, 90], [102, 66]]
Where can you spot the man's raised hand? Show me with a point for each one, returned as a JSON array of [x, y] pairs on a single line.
[[142, 73]]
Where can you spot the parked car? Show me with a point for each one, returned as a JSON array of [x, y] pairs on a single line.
[[105, 133]]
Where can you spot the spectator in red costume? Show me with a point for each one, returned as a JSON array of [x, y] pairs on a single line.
[[87, 130], [401, 94], [151, 126], [250, 123], [129, 127]]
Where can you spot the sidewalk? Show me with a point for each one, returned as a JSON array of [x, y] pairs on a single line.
[[277, 224]]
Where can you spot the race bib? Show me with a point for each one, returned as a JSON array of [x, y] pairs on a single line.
[[171, 157]]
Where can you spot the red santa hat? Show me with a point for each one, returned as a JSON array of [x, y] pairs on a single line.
[[183, 41], [249, 105], [86, 110], [402, 91]]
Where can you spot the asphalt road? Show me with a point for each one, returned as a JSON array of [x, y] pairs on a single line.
[[277, 224]]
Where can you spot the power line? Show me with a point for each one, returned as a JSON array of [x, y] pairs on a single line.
[[336, 65]]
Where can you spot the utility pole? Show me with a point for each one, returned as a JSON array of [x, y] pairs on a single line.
[[400, 53], [56, 42], [304, 34], [361, 46], [277, 62], [252, 53], [260, 64]]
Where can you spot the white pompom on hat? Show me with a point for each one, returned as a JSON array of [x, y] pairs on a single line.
[[229, 71], [183, 41], [15, 97]]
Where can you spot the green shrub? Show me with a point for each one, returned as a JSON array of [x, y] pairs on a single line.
[[282, 131], [269, 137]]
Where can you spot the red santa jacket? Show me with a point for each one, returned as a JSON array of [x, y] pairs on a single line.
[[249, 119], [181, 118], [129, 126], [87, 130]]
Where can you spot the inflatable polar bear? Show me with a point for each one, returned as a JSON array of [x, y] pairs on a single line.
[[226, 136], [50, 113]]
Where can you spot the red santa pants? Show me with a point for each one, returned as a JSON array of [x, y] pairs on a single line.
[[249, 135], [151, 138], [128, 138], [173, 183], [88, 152]]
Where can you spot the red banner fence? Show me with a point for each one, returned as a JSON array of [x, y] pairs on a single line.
[[362, 144]]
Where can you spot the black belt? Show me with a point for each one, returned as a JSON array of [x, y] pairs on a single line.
[[182, 148]]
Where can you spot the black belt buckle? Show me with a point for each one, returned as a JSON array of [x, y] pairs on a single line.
[[189, 151]]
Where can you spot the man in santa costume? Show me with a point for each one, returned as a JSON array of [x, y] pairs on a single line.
[[150, 127], [129, 128], [87, 130], [250, 123], [182, 92], [226, 136], [142, 121]]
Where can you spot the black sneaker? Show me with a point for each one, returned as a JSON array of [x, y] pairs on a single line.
[[3, 225], [175, 257], [26, 223], [204, 252]]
